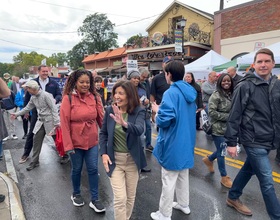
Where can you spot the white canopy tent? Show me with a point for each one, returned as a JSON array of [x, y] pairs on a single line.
[[249, 58], [246, 60], [202, 66]]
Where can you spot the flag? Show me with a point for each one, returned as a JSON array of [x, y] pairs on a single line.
[[44, 61]]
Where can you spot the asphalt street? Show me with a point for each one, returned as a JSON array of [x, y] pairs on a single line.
[[46, 190]]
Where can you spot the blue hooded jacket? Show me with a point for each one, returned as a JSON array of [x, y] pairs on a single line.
[[176, 119]]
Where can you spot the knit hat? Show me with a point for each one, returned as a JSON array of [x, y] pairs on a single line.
[[6, 75], [132, 74]]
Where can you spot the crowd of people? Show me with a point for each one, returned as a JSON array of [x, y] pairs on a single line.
[[121, 132]]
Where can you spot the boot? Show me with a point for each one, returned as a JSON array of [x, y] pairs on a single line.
[[209, 164], [226, 181]]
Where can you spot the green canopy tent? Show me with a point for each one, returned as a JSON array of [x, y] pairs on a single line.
[[226, 65]]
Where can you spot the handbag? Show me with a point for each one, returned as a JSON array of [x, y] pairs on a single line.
[[206, 125], [59, 142]]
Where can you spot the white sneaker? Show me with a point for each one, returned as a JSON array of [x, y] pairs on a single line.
[[6, 138], [186, 210], [158, 216], [14, 137]]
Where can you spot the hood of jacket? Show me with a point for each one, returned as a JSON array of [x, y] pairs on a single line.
[[186, 89], [253, 78]]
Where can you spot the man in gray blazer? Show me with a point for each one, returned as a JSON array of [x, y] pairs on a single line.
[[48, 118]]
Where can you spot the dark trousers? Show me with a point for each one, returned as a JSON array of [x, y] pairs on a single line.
[[29, 140], [25, 124], [197, 120], [278, 154]]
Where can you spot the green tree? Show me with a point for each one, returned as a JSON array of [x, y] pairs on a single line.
[[97, 32], [136, 40], [6, 68], [60, 58]]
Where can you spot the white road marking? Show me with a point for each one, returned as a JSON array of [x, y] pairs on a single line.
[[10, 166]]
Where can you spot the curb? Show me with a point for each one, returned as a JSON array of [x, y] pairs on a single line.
[[14, 201]]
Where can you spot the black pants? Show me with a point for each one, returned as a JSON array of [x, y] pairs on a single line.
[[197, 120], [29, 140], [25, 122]]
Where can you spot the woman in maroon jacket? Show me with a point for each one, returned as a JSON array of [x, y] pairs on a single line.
[[81, 112]]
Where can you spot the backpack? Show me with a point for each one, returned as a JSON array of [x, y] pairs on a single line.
[[8, 103]]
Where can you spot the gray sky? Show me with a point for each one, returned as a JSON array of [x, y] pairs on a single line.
[[50, 26]]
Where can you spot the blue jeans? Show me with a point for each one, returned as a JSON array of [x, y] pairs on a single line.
[[148, 133], [219, 140], [90, 157], [257, 163]]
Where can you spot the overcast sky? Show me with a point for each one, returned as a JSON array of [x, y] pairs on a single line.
[[50, 26]]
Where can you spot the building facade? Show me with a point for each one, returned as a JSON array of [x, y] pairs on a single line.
[[247, 27]]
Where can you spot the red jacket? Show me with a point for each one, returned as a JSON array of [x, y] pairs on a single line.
[[79, 121]]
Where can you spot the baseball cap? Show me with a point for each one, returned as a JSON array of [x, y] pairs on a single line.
[[31, 84], [167, 59]]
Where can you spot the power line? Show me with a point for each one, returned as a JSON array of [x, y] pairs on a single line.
[[81, 9], [29, 46], [39, 32]]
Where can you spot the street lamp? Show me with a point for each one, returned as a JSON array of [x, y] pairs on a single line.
[[183, 25]]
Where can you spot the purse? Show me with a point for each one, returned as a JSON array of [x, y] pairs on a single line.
[[207, 128], [206, 125], [59, 142]]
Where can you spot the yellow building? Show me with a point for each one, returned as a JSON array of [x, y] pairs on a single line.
[[165, 36], [199, 25]]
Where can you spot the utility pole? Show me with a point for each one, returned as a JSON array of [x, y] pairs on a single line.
[[221, 4]]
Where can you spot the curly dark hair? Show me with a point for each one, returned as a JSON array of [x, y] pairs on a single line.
[[131, 94], [72, 81]]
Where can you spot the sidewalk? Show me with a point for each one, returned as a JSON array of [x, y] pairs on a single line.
[[11, 208]]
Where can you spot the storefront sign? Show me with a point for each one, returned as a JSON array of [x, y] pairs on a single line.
[[155, 55], [131, 64]]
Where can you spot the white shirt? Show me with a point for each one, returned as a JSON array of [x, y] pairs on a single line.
[[43, 83]]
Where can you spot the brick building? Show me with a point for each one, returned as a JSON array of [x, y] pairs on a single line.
[[246, 27]]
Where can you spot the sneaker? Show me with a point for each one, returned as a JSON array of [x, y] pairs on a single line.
[[77, 200], [145, 170], [150, 148], [23, 159], [6, 138], [32, 165], [64, 159], [158, 216], [186, 209], [209, 164], [24, 136], [97, 206], [239, 206], [2, 198], [14, 137], [226, 181]]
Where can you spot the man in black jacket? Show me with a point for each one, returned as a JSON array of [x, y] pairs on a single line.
[[255, 119], [235, 77], [48, 85]]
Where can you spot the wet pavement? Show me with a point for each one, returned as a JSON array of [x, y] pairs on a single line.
[[45, 191]]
